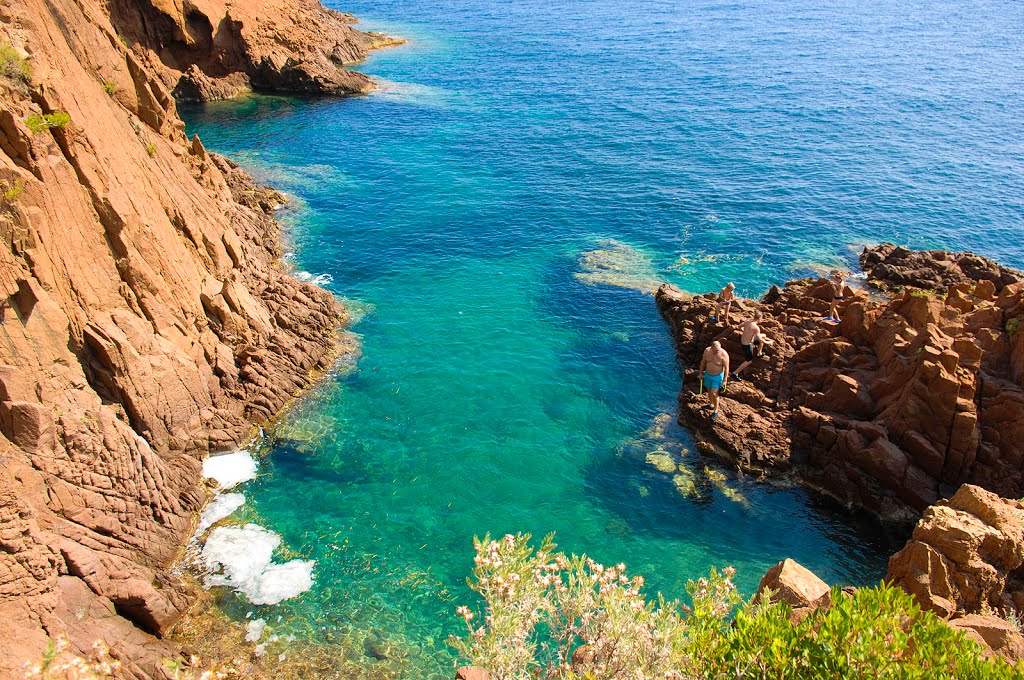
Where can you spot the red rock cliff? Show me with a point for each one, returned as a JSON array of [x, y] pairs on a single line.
[[145, 320], [891, 409]]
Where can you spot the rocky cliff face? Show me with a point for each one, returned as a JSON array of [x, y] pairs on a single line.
[[145, 320], [889, 410], [210, 49]]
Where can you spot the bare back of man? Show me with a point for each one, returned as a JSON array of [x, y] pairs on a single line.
[[748, 331], [752, 340]]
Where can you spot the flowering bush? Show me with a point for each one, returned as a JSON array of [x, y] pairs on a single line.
[[551, 616]]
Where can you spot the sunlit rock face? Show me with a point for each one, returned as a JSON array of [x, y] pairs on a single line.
[[146, 322]]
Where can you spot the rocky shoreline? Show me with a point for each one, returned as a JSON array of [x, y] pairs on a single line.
[[915, 392], [146, 319]]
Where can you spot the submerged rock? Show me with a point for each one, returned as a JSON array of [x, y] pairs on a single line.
[[616, 263], [661, 461]]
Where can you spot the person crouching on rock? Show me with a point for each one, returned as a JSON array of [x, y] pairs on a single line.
[[714, 371], [753, 341], [837, 296], [725, 298]]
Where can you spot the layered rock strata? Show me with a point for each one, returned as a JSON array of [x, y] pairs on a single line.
[[889, 410], [145, 321]]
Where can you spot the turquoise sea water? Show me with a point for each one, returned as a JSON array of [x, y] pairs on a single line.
[[495, 213]]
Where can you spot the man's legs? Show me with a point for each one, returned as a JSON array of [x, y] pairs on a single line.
[[751, 355]]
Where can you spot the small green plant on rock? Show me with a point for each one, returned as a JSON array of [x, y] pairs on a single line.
[[13, 66], [151, 149], [110, 87], [11, 191], [1013, 325], [40, 123], [60, 662], [555, 617]]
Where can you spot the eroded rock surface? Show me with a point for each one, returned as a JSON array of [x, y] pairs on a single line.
[[213, 49], [145, 321], [965, 555], [889, 410]]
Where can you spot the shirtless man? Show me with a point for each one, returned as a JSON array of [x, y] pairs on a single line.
[[837, 296], [714, 371], [753, 341], [725, 298]]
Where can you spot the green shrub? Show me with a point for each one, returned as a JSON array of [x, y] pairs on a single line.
[[13, 66], [110, 87], [12, 191], [1013, 325], [556, 617], [40, 123], [151, 149]]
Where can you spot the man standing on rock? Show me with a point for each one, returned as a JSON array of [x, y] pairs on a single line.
[[725, 300], [752, 340], [714, 371]]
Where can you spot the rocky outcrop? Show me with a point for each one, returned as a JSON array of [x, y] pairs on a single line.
[[889, 410], [965, 563], [213, 49], [893, 267], [145, 321], [965, 556], [804, 593]]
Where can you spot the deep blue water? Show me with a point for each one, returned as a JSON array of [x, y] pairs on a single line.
[[504, 384]]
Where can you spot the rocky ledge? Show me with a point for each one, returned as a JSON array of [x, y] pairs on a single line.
[[915, 392], [146, 320]]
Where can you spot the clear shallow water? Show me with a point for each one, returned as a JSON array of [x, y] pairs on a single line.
[[695, 142]]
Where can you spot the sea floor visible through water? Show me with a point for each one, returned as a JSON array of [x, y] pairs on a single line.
[[496, 217]]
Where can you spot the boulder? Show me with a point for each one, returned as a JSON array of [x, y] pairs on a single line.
[[797, 586], [962, 554], [991, 632]]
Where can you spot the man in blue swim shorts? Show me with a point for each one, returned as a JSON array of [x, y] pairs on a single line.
[[714, 371]]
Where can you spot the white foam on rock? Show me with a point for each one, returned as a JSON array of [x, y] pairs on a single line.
[[242, 558], [222, 506], [230, 469], [254, 631], [315, 279]]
